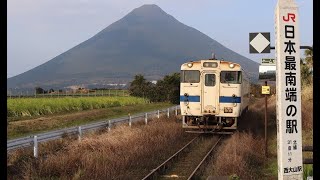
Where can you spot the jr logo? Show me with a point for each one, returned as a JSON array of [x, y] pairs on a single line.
[[289, 16]]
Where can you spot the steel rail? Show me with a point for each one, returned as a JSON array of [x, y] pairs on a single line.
[[150, 175], [56, 134], [205, 157]]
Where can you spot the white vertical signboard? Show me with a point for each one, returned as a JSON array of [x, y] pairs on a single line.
[[289, 140]]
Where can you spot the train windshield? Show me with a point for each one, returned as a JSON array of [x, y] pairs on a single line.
[[190, 76], [230, 77]]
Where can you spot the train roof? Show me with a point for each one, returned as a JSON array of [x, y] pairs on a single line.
[[219, 62]]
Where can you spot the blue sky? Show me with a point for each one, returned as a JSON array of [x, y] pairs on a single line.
[[39, 30]]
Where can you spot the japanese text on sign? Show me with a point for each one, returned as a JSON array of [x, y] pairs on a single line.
[[288, 90]]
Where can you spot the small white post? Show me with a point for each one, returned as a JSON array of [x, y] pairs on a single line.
[[35, 146], [158, 114], [168, 112], [146, 119], [176, 110], [129, 120], [79, 133], [102, 92], [109, 126]]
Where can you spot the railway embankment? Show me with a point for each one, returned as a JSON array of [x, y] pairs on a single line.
[[123, 153]]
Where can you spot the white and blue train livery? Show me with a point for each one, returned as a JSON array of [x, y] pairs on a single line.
[[213, 95]]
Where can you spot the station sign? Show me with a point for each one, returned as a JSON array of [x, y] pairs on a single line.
[[288, 82], [265, 61]]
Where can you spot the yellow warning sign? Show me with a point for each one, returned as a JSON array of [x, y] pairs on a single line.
[[265, 89]]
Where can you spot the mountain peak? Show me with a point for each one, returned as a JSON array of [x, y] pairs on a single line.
[[148, 7], [147, 10]]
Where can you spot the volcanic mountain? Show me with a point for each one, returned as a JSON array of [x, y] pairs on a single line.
[[147, 41]]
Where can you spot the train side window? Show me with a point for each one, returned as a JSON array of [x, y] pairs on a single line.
[[190, 76], [231, 77], [210, 80]]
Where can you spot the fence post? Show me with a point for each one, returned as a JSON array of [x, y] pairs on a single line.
[[102, 92], [35, 146], [168, 112], [109, 92], [80, 133], [146, 118], [158, 114], [35, 93], [109, 126], [129, 120], [176, 110]]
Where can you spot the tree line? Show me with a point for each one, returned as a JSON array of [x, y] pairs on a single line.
[[165, 90]]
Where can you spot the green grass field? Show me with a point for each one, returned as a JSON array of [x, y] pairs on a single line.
[[38, 124], [28, 107]]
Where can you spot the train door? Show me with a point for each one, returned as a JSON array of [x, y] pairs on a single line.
[[210, 93]]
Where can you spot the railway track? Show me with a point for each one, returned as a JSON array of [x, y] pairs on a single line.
[[186, 162]]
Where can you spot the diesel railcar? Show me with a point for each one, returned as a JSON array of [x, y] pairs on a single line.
[[213, 95]]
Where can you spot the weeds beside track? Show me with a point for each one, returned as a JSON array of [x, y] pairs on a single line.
[[186, 161]]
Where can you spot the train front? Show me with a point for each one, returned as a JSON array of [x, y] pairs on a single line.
[[208, 102]]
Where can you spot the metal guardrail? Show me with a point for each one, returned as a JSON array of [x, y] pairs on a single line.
[[33, 140]]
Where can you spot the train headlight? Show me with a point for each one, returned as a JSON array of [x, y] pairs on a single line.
[[231, 65], [228, 109], [189, 65]]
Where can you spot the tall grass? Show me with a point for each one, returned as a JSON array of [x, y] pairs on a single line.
[[307, 108], [241, 156], [123, 153], [42, 106]]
